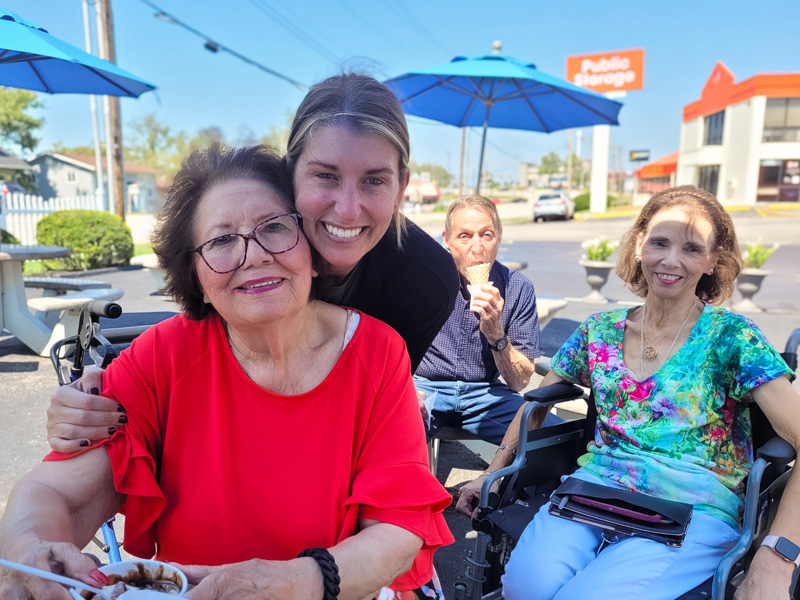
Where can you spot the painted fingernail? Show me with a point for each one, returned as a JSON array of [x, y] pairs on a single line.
[[123, 419], [84, 443], [99, 577], [120, 408], [94, 392], [112, 430]]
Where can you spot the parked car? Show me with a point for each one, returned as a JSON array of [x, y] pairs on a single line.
[[552, 205]]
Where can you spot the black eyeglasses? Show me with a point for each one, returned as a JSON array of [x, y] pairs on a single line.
[[228, 252]]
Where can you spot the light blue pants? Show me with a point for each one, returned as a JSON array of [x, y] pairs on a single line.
[[556, 559]]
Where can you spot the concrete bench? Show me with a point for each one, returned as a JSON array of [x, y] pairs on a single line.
[[64, 311], [56, 286]]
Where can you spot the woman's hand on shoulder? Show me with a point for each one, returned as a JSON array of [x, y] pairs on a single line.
[[255, 580], [57, 557], [769, 578], [77, 415]]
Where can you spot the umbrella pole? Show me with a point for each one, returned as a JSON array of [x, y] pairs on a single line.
[[483, 148]]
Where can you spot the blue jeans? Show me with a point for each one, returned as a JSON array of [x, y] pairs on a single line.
[[484, 409], [557, 559]]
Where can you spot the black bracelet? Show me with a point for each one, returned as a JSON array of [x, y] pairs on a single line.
[[330, 572]]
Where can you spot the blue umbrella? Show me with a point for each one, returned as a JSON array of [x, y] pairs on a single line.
[[493, 90], [33, 59]]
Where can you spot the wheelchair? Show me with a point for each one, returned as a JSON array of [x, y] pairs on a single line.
[[69, 357], [547, 454]]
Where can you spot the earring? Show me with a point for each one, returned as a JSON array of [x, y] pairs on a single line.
[[638, 259], [711, 271]]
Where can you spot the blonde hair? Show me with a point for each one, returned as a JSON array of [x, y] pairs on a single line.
[[714, 288], [362, 104]]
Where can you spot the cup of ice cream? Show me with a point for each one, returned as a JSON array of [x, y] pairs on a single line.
[[142, 575], [476, 275]]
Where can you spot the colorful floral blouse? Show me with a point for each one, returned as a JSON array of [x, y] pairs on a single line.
[[684, 432]]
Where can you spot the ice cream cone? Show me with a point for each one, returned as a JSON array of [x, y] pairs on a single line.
[[478, 274]]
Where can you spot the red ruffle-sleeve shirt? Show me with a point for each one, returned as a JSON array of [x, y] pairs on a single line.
[[218, 470]]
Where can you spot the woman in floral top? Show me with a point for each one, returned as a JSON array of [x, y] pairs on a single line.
[[671, 380]]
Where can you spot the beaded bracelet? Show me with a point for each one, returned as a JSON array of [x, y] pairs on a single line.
[[330, 572]]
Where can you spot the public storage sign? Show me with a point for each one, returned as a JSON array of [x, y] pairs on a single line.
[[607, 71]]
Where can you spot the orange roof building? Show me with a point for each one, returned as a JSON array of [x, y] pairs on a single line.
[[655, 177], [741, 141]]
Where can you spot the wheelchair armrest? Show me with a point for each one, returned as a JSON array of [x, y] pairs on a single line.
[[777, 450], [554, 393], [749, 522], [543, 396]]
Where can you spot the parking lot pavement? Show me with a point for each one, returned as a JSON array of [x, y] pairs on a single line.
[[27, 380]]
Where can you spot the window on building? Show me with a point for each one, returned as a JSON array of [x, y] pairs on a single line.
[[782, 120], [71, 176], [714, 125], [778, 181], [709, 176]]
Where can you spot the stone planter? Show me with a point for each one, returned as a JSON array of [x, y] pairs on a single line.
[[596, 276], [748, 284]]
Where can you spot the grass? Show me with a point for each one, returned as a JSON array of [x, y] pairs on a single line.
[[139, 249]]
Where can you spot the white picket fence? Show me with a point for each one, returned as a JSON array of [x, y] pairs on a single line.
[[20, 213]]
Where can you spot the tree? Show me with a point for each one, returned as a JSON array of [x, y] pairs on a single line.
[[577, 171], [278, 137], [551, 164], [439, 175], [83, 150], [17, 128]]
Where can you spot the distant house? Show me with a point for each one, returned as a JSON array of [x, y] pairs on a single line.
[[10, 166], [63, 175]]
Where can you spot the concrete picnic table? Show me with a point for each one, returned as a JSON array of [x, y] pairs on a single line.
[[14, 313]]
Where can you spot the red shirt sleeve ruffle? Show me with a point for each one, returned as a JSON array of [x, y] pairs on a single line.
[[407, 496], [135, 476]]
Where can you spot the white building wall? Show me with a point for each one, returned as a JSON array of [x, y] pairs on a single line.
[[739, 156], [739, 168], [690, 145]]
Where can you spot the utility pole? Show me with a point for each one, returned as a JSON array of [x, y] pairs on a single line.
[[115, 133], [569, 161], [461, 163]]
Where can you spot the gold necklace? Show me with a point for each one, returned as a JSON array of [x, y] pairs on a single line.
[[669, 352], [650, 352]]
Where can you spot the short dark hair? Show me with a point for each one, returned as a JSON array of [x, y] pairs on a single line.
[[173, 239], [714, 288], [362, 104]]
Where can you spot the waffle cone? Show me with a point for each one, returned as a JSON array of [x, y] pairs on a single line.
[[479, 274]]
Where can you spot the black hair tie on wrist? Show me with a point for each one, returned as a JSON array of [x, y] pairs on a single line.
[[330, 572]]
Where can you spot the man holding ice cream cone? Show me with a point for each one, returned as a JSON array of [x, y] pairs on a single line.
[[493, 331]]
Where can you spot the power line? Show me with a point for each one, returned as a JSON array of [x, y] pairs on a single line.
[[214, 46], [374, 28], [422, 28], [293, 30]]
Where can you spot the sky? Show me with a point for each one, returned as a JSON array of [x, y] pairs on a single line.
[[309, 40]]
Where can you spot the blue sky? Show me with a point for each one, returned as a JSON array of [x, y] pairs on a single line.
[[309, 40]]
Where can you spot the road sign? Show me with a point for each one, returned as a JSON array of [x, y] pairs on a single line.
[[607, 71]]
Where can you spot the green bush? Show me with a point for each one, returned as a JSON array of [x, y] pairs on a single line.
[[97, 239], [582, 202], [7, 238]]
